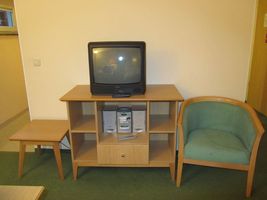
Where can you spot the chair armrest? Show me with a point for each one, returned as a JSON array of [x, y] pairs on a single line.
[[252, 126]]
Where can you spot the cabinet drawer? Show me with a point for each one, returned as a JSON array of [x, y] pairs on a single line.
[[122, 154]]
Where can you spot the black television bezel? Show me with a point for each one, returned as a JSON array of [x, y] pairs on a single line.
[[118, 89]]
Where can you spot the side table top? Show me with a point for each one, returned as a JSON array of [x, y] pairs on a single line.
[[8, 192], [42, 130]]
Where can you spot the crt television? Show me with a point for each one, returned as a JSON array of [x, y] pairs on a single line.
[[117, 68]]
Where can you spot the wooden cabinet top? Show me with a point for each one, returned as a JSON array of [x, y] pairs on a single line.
[[153, 93]]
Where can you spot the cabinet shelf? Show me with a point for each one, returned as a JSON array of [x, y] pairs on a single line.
[[87, 152], [85, 124], [141, 138], [162, 124]]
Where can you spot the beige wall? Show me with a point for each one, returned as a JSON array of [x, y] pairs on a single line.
[[203, 47], [12, 86]]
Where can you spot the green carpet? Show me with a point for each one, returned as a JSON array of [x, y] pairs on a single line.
[[132, 183]]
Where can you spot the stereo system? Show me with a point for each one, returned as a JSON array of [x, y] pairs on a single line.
[[109, 119], [126, 119]]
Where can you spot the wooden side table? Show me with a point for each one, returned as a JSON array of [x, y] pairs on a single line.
[[41, 132], [12, 192]]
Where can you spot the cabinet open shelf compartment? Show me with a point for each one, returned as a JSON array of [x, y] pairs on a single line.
[[162, 149], [163, 117], [84, 147], [82, 118], [112, 138], [161, 123], [85, 124]]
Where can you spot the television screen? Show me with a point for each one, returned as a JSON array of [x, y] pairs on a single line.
[[117, 68], [119, 65]]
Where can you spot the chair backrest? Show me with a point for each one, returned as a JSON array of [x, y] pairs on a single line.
[[220, 115]]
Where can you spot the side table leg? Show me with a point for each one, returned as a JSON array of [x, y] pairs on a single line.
[[75, 170], [58, 160], [22, 147]]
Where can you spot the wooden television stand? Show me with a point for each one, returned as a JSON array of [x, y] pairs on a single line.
[[90, 146]]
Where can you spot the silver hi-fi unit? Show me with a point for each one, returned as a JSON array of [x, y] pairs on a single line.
[[139, 118], [124, 120], [109, 119]]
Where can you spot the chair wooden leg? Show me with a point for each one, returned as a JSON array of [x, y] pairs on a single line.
[[22, 148], [249, 182], [179, 171], [58, 160]]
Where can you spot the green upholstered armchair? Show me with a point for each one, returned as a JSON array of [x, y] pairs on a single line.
[[218, 132]]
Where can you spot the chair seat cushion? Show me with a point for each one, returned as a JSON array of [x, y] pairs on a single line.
[[217, 146]]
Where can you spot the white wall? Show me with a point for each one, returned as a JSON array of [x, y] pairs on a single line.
[[201, 46]]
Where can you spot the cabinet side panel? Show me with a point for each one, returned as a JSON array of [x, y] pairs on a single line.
[[77, 141], [148, 104], [172, 146], [173, 112], [99, 121], [172, 137]]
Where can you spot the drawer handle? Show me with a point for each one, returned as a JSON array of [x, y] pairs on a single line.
[[123, 155]]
